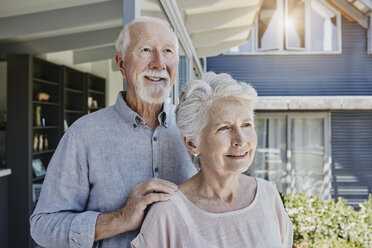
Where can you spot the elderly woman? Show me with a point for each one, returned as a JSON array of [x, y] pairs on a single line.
[[219, 206]]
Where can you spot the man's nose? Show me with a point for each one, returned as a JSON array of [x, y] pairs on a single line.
[[157, 62]]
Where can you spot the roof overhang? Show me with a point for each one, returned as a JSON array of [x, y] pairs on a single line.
[[209, 27], [354, 10], [215, 26]]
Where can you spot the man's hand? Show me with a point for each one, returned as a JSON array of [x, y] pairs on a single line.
[[142, 195], [130, 217]]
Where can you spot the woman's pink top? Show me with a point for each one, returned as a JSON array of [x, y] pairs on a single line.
[[179, 223]]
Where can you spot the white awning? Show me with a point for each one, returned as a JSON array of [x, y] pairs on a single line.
[[218, 25]]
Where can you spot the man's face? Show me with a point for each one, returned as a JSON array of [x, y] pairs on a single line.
[[151, 62]]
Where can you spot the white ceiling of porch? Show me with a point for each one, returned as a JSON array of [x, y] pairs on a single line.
[[218, 25], [90, 27]]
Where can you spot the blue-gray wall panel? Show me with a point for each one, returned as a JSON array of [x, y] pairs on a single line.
[[351, 140], [182, 71], [349, 73]]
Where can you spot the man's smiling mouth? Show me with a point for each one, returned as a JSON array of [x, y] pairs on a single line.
[[155, 79]]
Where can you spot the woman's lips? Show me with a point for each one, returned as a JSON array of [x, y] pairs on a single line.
[[238, 156]]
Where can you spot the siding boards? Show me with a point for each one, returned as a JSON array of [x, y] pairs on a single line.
[[349, 73], [351, 140], [182, 71]]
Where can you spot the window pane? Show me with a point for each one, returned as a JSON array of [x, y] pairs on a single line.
[[324, 33], [295, 24], [268, 28], [258, 167], [307, 155], [270, 158]]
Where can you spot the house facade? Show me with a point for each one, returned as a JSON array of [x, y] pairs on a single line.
[[313, 73], [314, 115]]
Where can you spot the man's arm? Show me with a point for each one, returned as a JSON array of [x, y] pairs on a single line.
[[58, 219], [131, 215]]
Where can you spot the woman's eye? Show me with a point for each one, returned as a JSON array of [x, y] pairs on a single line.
[[223, 128], [248, 124]]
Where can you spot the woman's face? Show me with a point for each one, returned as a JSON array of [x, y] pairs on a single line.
[[228, 141]]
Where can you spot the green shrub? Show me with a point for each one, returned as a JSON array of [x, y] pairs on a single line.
[[322, 224]]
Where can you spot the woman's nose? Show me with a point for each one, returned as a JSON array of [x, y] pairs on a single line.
[[239, 138]]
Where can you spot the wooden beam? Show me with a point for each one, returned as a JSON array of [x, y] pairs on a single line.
[[367, 3], [219, 48], [210, 38], [94, 54], [62, 43], [349, 12], [191, 7], [91, 16], [368, 13], [221, 19]]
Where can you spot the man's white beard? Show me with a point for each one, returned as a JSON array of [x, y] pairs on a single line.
[[153, 93]]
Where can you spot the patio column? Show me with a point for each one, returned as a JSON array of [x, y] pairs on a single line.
[[131, 10]]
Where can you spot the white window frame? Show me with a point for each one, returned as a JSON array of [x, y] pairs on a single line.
[[369, 42], [307, 51], [327, 172]]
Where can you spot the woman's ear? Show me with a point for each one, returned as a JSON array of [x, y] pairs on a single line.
[[191, 147], [119, 62]]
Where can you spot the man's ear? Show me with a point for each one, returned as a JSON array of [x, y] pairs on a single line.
[[119, 62], [191, 147]]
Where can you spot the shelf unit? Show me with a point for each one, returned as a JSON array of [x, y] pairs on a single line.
[[74, 95], [29, 117], [96, 89]]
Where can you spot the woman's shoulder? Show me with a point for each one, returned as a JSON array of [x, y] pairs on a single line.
[[164, 210], [263, 186], [162, 215], [266, 185], [269, 194]]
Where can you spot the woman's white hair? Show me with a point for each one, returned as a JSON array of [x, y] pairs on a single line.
[[123, 40], [197, 97]]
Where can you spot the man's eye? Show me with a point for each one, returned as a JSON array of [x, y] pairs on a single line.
[[168, 51], [146, 51]]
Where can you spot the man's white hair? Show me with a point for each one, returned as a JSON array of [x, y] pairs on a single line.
[[197, 97], [123, 40]]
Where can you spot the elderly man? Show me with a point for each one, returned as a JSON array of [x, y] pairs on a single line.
[[110, 165]]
